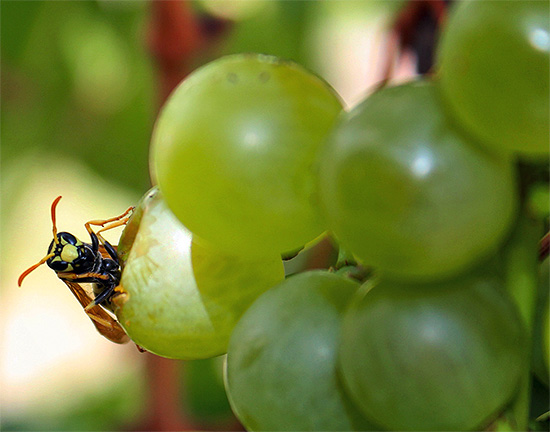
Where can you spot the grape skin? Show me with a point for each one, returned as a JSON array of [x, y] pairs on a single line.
[[281, 363], [233, 148], [494, 68], [405, 192], [184, 297], [443, 356]]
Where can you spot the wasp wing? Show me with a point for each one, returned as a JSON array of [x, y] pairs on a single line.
[[103, 252], [104, 323]]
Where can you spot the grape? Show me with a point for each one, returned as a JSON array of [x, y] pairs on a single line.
[[405, 192], [441, 356], [281, 361], [494, 59], [232, 151], [184, 298]]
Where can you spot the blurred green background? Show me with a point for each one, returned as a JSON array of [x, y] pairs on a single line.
[[79, 94]]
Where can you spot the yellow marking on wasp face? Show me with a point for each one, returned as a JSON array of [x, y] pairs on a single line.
[[59, 259], [69, 253]]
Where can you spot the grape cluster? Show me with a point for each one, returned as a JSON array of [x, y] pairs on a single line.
[[254, 157]]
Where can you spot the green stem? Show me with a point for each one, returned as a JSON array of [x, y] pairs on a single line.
[[345, 259], [521, 260]]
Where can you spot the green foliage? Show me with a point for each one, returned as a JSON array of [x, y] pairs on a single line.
[[116, 405], [76, 81], [206, 398]]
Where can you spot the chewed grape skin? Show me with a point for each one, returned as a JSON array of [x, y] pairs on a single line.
[[182, 298]]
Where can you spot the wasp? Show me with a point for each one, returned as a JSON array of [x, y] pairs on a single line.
[[76, 262]]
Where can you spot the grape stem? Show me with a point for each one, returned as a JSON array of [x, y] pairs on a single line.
[[163, 404], [414, 29], [177, 34], [544, 248], [347, 266]]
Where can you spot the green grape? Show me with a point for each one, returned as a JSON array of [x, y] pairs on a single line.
[[281, 361], [494, 62], [405, 192], [233, 148], [184, 298], [442, 356]]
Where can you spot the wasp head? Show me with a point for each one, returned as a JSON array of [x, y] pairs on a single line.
[[68, 254]]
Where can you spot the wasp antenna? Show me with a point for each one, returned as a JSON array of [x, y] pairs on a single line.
[[31, 268], [54, 205]]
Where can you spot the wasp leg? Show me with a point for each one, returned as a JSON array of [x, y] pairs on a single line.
[[107, 224], [76, 277], [103, 296], [108, 247], [103, 222], [120, 290], [120, 296], [140, 349], [96, 239], [122, 221], [111, 225]]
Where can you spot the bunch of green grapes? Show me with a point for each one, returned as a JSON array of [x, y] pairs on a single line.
[[232, 153], [428, 322]]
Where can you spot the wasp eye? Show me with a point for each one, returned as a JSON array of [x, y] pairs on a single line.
[[51, 247], [65, 237], [57, 264]]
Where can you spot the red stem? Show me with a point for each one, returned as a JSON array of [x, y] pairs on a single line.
[[176, 36], [403, 30], [544, 247], [163, 411], [174, 39]]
